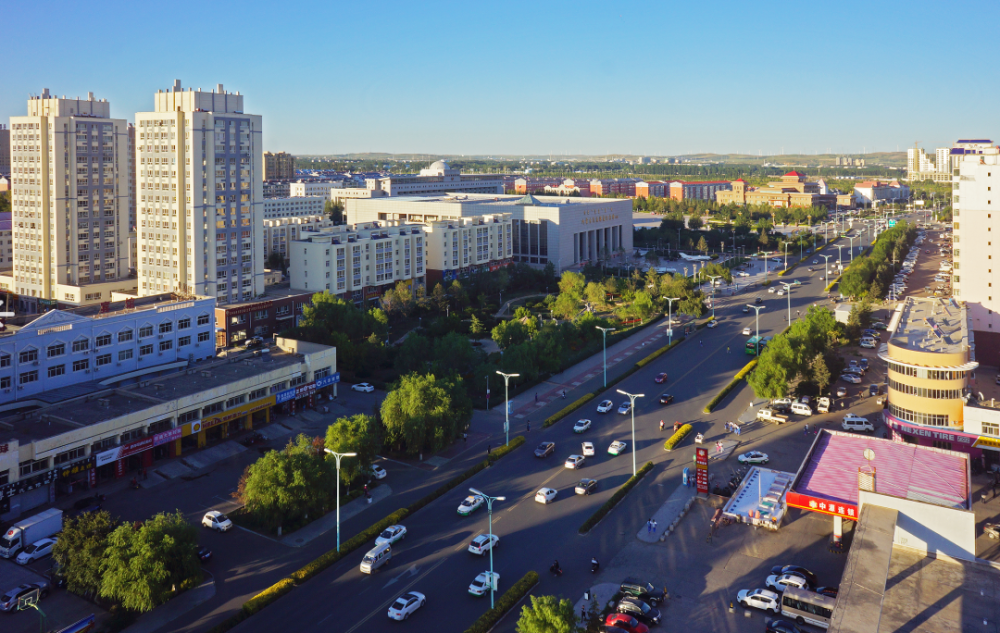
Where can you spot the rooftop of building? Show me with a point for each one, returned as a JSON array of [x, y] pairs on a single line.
[[490, 199], [271, 293], [930, 324], [92, 403], [909, 471], [99, 311]]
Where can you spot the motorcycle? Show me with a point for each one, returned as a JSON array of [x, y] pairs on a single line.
[[556, 570], [594, 565]]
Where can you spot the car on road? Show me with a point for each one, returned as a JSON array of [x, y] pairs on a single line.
[[758, 300], [363, 387], [746, 309], [8, 601], [484, 543], [470, 504], [778, 570], [36, 551], [829, 592], [625, 622], [712, 324], [406, 604], [639, 610], [878, 325], [666, 398], [781, 626], [814, 262], [811, 269], [587, 448], [585, 487], [776, 259], [771, 290], [780, 292], [778, 583], [546, 495], [391, 534], [88, 502], [742, 274], [624, 408], [873, 390], [605, 406], [545, 449], [204, 554], [841, 392], [747, 331], [216, 521], [253, 341], [574, 461], [854, 422], [854, 369], [752, 457], [378, 472], [484, 582], [581, 426], [763, 599], [617, 447], [660, 378], [854, 379]]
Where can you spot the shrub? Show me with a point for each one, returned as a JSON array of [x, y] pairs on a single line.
[[676, 438], [657, 353], [617, 497], [505, 603], [742, 374], [269, 595], [832, 284]]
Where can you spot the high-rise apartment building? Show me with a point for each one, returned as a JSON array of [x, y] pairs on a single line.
[[200, 188], [131, 176], [70, 202], [279, 166], [4, 150]]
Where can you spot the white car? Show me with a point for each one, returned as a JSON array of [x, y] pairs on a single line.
[[581, 426], [484, 582], [753, 457], [545, 495], [616, 448], [854, 422], [624, 408], [363, 386], [778, 583], [815, 261], [588, 449], [378, 472], [39, 549], [406, 604], [605, 406], [574, 461], [484, 543], [746, 331], [742, 274], [391, 534], [470, 504], [712, 325], [771, 290], [781, 402], [851, 378], [217, 521], [762, 599], [780, 293]]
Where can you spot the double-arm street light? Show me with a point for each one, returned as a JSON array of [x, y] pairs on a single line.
[[786, 254], [631, 399], [757, 310], [711, 279], [670, 318], [338, 457], [840, 255], [506, 404], [489, 509], [826, 269], [850, 237], [604, 331], [788, 291]]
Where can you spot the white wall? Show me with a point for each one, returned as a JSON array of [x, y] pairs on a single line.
[[929, 528]]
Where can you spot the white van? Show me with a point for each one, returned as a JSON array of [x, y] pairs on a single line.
[[868, 342], [857, 423], [799, 408], [377, 557]]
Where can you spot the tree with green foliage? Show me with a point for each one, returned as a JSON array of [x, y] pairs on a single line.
[[476, 327], [334, 209], [702, 244], [145, 566], [566, 305], [275, 261], [359, 434], [80, 549], [4, 202], [453, 354], [547, 614], [859, 319], [595, 296], [507, 333], [775, 369], [288, 486], [439, 298], [820, 373], [424, 412], [413, 354]]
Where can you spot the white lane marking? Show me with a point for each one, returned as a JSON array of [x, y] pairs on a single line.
[[385, 605]]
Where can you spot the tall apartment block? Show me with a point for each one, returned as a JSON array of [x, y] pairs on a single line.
[[70, 203], [200, 188], [4, 150], [279, 166]]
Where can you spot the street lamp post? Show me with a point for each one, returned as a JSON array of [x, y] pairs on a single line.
[[826, 270], [852, 246], [711, 279], [840, 254], [670, 318], [604, 331], [631, 398], [786, 254], [506, 404], [757, 310], [788, 291], [489, 509], [338, 457]]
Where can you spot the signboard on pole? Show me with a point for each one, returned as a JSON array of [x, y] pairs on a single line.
[[701, 472]]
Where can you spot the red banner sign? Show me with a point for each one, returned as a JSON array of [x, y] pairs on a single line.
[[701, 472], [819, 504]]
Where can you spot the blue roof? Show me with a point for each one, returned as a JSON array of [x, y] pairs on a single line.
[[978, 140]]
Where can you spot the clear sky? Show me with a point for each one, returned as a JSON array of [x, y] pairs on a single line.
[[519, 77]]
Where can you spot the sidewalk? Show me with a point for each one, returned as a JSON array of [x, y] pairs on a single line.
[[328, 521], [175, 608]]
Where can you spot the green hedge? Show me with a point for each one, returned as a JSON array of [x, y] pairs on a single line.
[[561, 413], [832, 284], [615, 498], [255, 604], [796, 264], [732, 384], [505, 603], [657, 353], [676, 438]]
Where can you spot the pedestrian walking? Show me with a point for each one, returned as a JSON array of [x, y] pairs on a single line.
[[806, 432], [701, 343], [649, 526], [654, 526], [536, 396], [739, 431], [528, 424]]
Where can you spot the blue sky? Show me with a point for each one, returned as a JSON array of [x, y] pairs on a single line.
[[658, 78]]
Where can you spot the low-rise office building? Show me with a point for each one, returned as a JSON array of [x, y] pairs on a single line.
[[278, 309], [706, 190], [438, 178], [870, 191], [793, 190], [459, 247], [279, 232], [100, 433], [652, 189], [293, 206], [277, 189], [314, 188], [613, 187]]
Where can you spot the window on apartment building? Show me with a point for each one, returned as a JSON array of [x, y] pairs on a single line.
[[203, 336], [56, 349], [133, 434], [103, 359], [279, 386], [103, 340], [184, 340], [57, 370], [145, 350], [125, 354], [257, 394], [28, 377], [166, 345], [80, 365], [203, 319], [236, 401], [4, 477], [29, 355], [166, 327], [69, 456], [4, 360], [187, 416], [124, 335], [215, 407], [33, 466], [5, 382], [146, 330], [184, 323], [990, 428]]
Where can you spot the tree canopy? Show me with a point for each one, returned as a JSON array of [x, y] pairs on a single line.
[[424, 412], [80, 549], [547, 614]]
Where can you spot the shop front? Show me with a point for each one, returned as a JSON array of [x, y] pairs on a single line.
[[75, 476], [305, 395], [218, 427], [27, 493], [117, 461], [938, 437]]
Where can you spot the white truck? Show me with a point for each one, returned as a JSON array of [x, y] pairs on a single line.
[[27, 531], [769, 415], [823, 405]]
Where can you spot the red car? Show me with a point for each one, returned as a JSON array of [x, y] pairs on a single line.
[[626, 622], [661, 378]]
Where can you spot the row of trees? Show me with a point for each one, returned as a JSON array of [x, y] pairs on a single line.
[[137, 565], [869, 277], [802, 353]]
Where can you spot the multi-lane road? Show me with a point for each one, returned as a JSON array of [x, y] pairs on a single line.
[[433, 558]]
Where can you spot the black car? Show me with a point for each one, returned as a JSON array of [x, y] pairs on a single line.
[[585, 487], [545, 449], [639, 610], [873, 390], [666, 398], [204, 554], [641, 590], [830, 592], [87, 502], [746, 308], [781, 626], [758, 300], [810, 577]]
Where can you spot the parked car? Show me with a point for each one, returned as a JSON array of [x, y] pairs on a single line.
[[857, 423], [639, 610], [406, 604], [204, 554], [391, 534], [581, 426], [574, 462], [605, 406], [625, 622], [617, 447], [829, 592], [363, 387], [378, 472], [863, 363], [484, 582], [753, 457], [781, 626], [36, 551], [484, 543], [777, 570], [778, 583], [217, 521], [470, 504], [546, 495], [585, 487], [841, 392], [763, 599], [641, 589], [545, 449], [851, 378], [666, 398], [9, 600], [712, 324]]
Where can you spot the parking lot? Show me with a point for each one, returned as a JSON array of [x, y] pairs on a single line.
[[70, 607]]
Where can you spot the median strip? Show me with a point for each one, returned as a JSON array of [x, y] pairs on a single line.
[[732, 384], [610, 504], [505, 603]]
